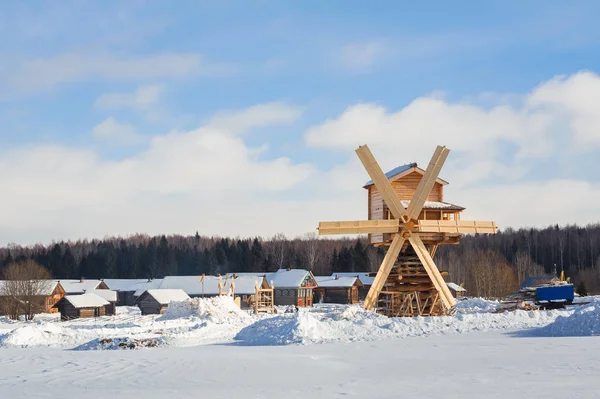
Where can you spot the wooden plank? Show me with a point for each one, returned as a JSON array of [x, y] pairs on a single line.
[[456, 226], [432, 271], [426, 183], [381, 182], [359, 227], [384, 271]]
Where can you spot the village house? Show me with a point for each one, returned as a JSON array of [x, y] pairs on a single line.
[[366, 278], [46, 293], [110, 296], [127, 288], [156, 301], [337, 289], [81, 306], [292, 286]]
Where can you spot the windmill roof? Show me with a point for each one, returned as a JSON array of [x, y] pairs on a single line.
[[436, 205], [399, 170]]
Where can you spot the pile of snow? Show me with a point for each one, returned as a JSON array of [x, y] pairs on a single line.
[[583, 322], [476, 305], [128, 310], [218, 310], [49, 335], [122, 343], [356, 324]]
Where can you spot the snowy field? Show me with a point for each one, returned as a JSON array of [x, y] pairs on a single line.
[[209, 347]]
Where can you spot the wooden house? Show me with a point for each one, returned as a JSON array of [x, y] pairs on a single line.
[[77, 287], [110, 296], [456, 290], [127, 288], [81, 306], [337, 289], [156, 301], [366, 279], [292, 287], [404, 180], [44, 293]]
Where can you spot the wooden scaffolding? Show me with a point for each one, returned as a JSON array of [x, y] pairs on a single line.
[[263, 300]]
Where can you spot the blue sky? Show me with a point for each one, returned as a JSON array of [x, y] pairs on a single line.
[[106, 79]]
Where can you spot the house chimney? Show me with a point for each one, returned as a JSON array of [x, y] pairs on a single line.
[[337, 277], [81, 279]]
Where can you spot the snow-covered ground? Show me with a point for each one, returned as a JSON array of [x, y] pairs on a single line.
[[210, 347]]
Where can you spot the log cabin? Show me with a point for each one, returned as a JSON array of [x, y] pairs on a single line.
[[46, 293], [110, 296], [337, 289], [404, 180], [366, 279], [81, 306], [127, 288], [156, 301]]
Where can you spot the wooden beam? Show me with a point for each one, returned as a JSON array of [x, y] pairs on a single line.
[[359, 227], [433, 272], [384, 271], [456, 226], [427, 181], [381, 182]]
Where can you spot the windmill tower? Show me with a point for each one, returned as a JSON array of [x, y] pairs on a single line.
[[407, 214]]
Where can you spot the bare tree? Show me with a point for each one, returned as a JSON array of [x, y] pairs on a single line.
[[278, 249], [525, 267], [311, 251], [24, 289]]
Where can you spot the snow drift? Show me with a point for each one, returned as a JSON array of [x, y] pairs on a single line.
[[219, 310], [583, 322], [356, 324]]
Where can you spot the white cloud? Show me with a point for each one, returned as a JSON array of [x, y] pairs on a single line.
[[43, 73], [360, 55], [114, 132], [143, 98], [207, 179], [256, 117]]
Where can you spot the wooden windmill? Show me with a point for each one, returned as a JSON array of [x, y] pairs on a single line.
[[411, 221]]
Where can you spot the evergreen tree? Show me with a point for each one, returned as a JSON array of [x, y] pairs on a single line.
[[69, 267]]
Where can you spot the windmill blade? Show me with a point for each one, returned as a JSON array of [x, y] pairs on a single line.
[[426, 183], [381, 182], [384, 271], [456, 226], [359, 227], [432, 271]]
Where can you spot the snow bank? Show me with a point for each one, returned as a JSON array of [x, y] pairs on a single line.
[[128, 310], [476, 305], [219, 310], [37, 335], [356, 324], [583, 322]]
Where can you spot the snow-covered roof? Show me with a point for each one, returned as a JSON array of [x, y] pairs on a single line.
[[284, 278], [333, 282], [164, 296], [401, 169], [109, 295], [246, 285], [364, 277], [79, 286], [456, 287], [131, 284], [45, 287], [86, 301], [192, 285]]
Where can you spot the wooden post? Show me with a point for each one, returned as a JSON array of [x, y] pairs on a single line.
[[384, 271]]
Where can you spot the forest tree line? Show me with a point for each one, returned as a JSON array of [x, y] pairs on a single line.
[[486, 265]]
